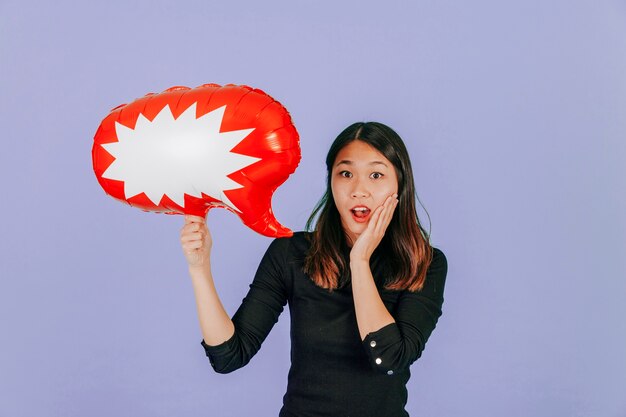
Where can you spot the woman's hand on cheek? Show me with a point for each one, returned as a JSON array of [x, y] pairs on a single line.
[[369, 240]]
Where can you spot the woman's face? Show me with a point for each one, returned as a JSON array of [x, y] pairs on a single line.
[[362, 178]]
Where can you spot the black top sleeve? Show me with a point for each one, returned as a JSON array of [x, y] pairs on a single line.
[[257, 314], [396, 346]]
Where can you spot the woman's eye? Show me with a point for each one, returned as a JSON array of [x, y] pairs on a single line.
[[345, 174], [376, 175]]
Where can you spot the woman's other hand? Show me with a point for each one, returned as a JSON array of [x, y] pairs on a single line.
[[196, 241], [368, 241]]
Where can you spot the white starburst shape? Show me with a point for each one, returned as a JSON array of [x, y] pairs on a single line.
[[174, 157]]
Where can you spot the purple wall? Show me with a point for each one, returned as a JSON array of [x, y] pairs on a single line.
[[515, 117]]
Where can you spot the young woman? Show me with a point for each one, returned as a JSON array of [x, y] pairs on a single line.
[[364, 287]]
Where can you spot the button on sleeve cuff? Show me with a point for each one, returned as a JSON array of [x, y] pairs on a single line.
[[384, 349]]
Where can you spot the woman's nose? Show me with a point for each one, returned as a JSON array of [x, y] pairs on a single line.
[[359, 190]]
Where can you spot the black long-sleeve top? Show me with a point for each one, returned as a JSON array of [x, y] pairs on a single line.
[[333, 372]]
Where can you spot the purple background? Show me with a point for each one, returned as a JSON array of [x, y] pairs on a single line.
[[515, 117]]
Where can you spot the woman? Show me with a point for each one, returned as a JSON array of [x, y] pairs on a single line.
[[364, 288]]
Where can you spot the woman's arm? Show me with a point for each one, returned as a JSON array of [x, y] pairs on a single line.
[[392, 343], [230, 344], [215, 324], [396, 346], [371, 313]]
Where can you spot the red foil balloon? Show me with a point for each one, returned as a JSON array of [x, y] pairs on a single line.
[[187, 150]]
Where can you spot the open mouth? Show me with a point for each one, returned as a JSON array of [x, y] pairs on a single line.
[[360, 214]]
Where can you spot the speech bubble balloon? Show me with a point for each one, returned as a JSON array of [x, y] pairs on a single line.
[[188, 150]]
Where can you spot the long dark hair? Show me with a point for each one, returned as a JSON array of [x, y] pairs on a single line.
[[406, 242]]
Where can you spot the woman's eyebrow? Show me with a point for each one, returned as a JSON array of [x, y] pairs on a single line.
[[349, 162], [378, 163]]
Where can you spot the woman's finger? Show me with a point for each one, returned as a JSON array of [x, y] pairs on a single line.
[[191, 237], [392, 208], [189, 218], [386, 215], [375, 219], [194, 227], [378, 218], [185, 231]]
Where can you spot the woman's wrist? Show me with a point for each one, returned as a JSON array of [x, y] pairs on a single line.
[[359, 260], [200, 271], [359, 268]]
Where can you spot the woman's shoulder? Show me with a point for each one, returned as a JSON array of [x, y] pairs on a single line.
[[301, 236], [439, 258], [298, 243], [438, 269]]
